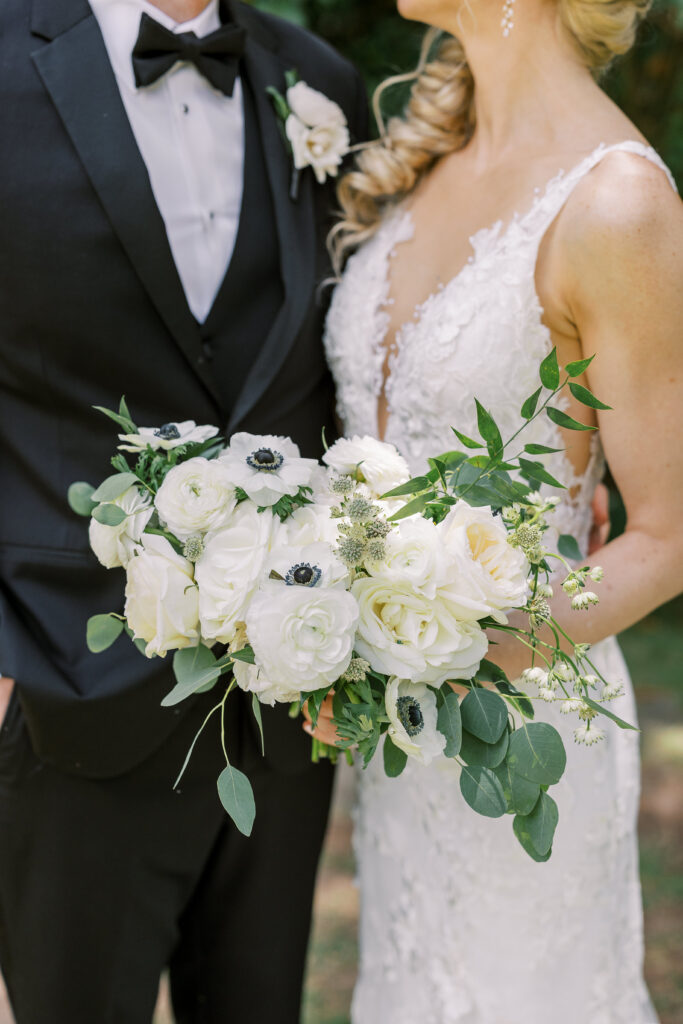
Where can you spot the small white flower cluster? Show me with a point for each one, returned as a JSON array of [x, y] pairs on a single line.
[[575, 583]]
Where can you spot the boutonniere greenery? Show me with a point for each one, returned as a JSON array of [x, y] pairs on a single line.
[[314, 129]]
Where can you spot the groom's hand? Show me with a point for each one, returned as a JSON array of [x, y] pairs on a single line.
[[324, 730], [5, 693]]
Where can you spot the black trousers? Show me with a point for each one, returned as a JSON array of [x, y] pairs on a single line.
[[103, 883]]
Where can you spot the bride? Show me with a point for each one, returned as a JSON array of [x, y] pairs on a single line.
[[514, 208]]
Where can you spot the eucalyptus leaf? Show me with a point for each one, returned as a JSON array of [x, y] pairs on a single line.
[[520, 793], [579, 366], [237, 797], [537, 752], [449, 720], [569, 548], [609, 714], [395, 759], [529, 406], [518, 699], [541, 823], [194, 668], [475, 751], [484, 714], [114, 486], [549, 371], [109, 515], [562, 420], [482, 791], [520, 827], [80, 500], [586, 397], [102, 631]]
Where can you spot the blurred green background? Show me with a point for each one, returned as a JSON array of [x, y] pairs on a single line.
[[647, 84]]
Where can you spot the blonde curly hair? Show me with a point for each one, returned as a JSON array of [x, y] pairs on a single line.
[[439, 117]]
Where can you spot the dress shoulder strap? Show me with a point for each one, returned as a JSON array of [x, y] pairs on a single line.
[[549, 202]]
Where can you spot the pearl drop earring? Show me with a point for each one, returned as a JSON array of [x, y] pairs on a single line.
[[507, 24]]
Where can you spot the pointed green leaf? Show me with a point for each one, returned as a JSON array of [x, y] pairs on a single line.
[[549, 371], [488, 429], [114, 486], [484, 714], [569, 548], [578, 367], [562, 420], [126, 424], [124, 413], [609, 714], [520, 827], [256, 710], [449, 720], [413, 507], [518, 699], [102, 631], [237, 797], [586, 397], [475, 751], [521, 794], [467, 441], [482, 791], [414, 486], [540, 449], [79, 496], [537, 752], [109, 515], [535, 471], [246, 655], [529, 407], [395, 759]]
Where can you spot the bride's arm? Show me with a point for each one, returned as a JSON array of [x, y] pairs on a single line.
[[622, 263]]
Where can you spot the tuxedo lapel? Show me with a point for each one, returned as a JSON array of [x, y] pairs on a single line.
[[75, 70], [295, 220]]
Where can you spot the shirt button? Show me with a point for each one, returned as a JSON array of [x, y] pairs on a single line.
[[211, 215], [185, 109]]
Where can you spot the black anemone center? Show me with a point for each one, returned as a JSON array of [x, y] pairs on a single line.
[[303, 575], [265, 459], [169, 432], [410, 715]]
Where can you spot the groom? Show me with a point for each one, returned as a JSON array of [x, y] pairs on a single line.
[[149, 245]]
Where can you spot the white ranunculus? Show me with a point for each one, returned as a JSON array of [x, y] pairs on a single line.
[[412, 712], [311, 524], [302, 637], [415, 556], [502, 571], [311, 565], [402, 632], [378, 463], [252, 680], [114, 546], [170, 435], [323, 147], [266, 467], [313, 107], [230, 569], [195, 497], [162, 602]]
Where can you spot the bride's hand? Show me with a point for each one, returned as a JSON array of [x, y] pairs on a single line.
[[325, 731], [6, 686]]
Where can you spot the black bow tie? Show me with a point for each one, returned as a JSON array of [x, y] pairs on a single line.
[[215, 56]]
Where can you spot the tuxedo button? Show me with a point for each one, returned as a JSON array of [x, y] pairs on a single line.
[[207, 349]]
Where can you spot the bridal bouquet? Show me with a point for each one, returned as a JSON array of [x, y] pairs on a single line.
[[295, 581]]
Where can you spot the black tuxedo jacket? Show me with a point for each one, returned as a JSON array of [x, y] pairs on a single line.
[[91, 307]]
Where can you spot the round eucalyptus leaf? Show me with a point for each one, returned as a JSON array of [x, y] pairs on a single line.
[[521, 794], [521, 830], [102, 631], [80, 500], [449, 721], [484, 714], [114, 486], [395, 759], [237, 797], [475, 751], [542, 822], [482, 791], [109, 515], [537, 752]]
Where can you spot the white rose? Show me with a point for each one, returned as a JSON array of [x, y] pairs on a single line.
[[195, 497], [230, 569], [266, 467], [313, 107], [376, 462], [114, 546], [171, 435], [311, 524], [412, 711], [302, 637], [252, 680], [414, 556], [312, 565], [501, 570], [162, 603], [403, 633], [323, 148]]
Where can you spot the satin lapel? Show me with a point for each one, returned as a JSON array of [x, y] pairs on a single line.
[[76, 72], [295, 228]]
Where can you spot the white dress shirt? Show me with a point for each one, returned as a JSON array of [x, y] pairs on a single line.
[[191, 137]]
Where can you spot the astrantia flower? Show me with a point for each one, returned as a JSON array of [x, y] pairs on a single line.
[[588, 734], [612, 690], [584, 600], [535, 676], [114, 546], [571, 706], [195, 497], [597, 573], [545, 693], [170, 435], [374, 462], [266, 467], [412, 712]]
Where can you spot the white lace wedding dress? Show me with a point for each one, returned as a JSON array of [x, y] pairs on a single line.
[[458, 925]]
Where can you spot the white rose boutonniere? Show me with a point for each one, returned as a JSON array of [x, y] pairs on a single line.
[[314, 127]]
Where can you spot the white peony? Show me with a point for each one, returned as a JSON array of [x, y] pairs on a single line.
[[162, 602], [317, 130], [195, 497], [252, 680], [302, 637], [266, 467], [415, 556], [377, 463], [501, 570], [402, 632], [312, 565], [311, 524], [412, 712], [114, 546], [230, 569], [170, 435]]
